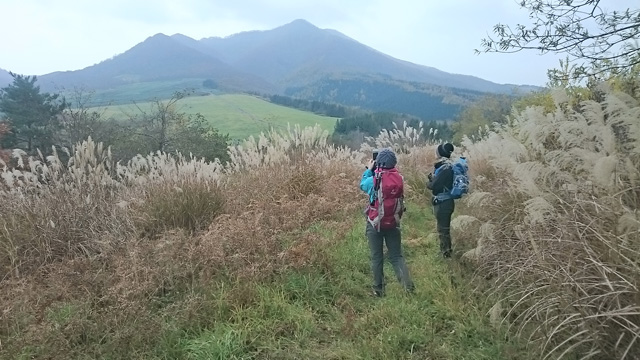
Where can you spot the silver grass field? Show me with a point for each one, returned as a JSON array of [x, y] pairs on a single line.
[[550, 230]]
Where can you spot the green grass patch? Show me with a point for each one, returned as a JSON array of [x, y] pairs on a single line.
[[321, 310], [324, 311], [220, 343], [236, 114]]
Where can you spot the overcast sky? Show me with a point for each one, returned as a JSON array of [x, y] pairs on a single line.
[[42, 36]]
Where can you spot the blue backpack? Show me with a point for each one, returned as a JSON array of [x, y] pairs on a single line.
[[460, 180]]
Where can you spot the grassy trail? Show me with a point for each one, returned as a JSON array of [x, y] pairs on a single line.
[[323, 311]]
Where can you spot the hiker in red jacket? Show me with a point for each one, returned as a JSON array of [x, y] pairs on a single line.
[[384, 185]]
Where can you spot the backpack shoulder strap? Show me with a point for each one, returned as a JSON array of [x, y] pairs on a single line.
[[377, 179]]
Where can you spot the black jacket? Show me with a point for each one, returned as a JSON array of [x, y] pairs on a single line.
[[442, 182]]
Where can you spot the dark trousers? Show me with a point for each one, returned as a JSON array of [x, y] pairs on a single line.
[[392, 238], [443, 211]]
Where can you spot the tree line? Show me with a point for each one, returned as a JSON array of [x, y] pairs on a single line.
[[428, 102], [34, 121], [314, 106], [351, 131]]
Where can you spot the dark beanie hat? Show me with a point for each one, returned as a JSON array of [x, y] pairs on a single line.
[[386, 159], [445, 150]]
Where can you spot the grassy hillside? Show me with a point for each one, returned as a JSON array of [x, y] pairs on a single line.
[[380, 94], [171, 258], [142, 91], [236, 114], [429, 102], [163, 261]]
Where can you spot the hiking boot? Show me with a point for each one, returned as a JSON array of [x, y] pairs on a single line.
[[377, 293], [410, 291], [446, 254]]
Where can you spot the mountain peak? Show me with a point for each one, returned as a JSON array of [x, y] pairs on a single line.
[[157, 40], [300, 24], [158, 37], [179, 36]]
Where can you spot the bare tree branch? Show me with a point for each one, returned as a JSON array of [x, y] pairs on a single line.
[[584, 30]]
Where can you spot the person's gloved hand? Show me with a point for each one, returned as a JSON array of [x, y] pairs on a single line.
[[430, 176]]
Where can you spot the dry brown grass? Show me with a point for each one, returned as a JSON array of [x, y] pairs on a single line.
[[414, 167], [554, 220], [58, 225], [252, 240], [78, 275], [552, 216], [189, 205], [51, 213]]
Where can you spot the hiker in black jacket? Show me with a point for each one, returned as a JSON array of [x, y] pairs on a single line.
[[439, 184]]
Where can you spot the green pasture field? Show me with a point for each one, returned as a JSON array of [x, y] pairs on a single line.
[[239, 115]]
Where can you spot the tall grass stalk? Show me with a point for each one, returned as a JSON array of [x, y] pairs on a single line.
[[560, 192]]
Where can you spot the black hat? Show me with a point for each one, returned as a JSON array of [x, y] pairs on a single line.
[[445, 150], [386, 159]]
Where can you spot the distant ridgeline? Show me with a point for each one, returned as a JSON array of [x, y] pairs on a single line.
[[298, 65], [427, 102]]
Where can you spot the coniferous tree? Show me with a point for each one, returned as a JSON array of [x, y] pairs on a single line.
[[32, 115], [4, 130]]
